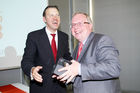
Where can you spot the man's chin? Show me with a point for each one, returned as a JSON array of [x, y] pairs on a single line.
[[77, 37], [55, 28]]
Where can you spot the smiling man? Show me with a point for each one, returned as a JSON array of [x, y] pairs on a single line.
[[96, 67], [43, 49]]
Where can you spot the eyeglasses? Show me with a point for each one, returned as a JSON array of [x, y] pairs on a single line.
[[78, 24]]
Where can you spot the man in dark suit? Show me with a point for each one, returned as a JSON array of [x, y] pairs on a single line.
[[96, 67], [43, 49]]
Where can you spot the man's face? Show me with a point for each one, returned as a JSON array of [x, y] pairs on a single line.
[[52, 19], [80, 27]]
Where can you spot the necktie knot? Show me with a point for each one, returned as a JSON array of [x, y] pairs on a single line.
[[81, 45], [53, 35]]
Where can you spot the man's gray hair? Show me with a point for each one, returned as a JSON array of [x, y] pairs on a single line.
[[87, 16]]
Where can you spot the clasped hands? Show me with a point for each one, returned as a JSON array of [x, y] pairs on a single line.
[[71, 71]]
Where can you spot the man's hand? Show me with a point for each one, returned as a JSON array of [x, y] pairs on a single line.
[[71, 71], [36, 75]]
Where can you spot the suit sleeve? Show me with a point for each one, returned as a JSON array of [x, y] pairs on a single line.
[[28, 57], [104, 64]]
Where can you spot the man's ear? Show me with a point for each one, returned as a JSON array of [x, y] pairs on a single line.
[[44, 19], [91, 26]]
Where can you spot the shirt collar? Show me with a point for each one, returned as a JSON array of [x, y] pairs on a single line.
[[83, 41], [49, 32]]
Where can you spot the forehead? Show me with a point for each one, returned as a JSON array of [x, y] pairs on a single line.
[[79, 18], [52, 10]]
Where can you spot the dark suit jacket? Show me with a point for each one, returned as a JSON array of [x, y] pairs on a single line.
[[38, 52], [100, 67]]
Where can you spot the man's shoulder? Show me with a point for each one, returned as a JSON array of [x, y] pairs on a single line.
[[37, 32], [102, 36], [62, 33], [98, 34], [104, 39]]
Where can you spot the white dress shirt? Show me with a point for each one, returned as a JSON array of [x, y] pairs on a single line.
[[50, 36]]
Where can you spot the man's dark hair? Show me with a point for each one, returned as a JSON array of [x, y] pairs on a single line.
[[51, 6]]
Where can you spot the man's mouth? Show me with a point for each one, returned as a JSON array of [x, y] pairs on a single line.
[[77, 32], [55, 22]]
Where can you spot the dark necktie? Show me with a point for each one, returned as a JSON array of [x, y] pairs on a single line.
[[79, 50], [53, 45]]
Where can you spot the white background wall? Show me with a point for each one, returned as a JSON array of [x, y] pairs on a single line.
[[18, 18]]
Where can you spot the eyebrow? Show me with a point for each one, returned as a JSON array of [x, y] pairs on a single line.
[[86, 23]]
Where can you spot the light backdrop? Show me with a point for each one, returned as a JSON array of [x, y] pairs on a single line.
[[17, 19]]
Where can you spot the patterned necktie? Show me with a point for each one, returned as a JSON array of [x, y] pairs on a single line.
[[79, 50], [53, 45]]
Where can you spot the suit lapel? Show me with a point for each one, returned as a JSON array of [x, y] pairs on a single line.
[[86, 45], [74, 55], [60, 44], [46, 43]]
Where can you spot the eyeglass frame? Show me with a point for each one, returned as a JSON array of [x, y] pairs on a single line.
[[78, 24]]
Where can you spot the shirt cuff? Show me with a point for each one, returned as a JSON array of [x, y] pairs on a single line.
[[31, 76], [79, 70]]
